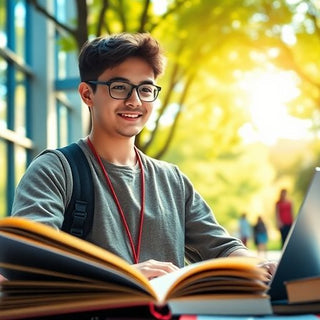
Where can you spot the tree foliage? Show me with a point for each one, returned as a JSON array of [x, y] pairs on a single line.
[[210, 47], [204, 39]]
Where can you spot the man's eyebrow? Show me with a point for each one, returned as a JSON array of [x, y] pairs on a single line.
[[128, 81], [119, 79]]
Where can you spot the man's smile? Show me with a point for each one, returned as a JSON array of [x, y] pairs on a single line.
[[130, 115]]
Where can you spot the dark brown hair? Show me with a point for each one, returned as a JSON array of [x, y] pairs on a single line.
[[107, 52]]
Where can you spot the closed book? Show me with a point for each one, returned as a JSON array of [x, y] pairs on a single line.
[[303, 290], [282, 307]]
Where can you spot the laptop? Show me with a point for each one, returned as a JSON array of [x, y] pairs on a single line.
[[301, 251]]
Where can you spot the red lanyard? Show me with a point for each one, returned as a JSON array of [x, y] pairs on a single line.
[[135, 251]]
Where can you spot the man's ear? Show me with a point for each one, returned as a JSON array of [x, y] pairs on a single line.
[[86, 93]]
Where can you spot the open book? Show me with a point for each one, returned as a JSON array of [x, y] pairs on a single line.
[[50, 272]]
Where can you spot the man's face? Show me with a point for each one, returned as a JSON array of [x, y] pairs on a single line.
[[122, 118]]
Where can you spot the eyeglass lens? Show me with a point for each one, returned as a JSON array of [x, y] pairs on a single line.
[[123, 90]]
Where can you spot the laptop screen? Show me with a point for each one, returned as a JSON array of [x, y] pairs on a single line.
[[301, 252]]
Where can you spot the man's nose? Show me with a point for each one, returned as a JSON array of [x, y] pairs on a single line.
[[134, 99]]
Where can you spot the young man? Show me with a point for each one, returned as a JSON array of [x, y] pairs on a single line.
[[146, 211]]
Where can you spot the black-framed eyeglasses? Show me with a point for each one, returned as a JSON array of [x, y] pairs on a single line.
[[121, 90]]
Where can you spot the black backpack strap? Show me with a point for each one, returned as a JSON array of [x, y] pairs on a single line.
[[78, 216]]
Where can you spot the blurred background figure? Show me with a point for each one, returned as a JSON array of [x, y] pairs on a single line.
[[244, 229], [260, 237], [284, 215]]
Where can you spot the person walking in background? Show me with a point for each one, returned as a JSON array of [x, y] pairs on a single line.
[[260, 237], [284, 215], [244, 229]]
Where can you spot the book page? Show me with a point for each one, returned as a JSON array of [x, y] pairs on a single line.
[[229, 267], [85, 259], [44, 234]]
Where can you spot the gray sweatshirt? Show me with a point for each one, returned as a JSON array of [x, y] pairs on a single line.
[[178, 224]]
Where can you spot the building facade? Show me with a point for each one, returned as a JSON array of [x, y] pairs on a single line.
[[39, 104]]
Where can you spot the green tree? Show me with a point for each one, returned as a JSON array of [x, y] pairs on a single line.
[[211, 46], [206, 42]]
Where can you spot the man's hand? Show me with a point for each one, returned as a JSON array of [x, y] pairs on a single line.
[[268, 265], [153, 268]]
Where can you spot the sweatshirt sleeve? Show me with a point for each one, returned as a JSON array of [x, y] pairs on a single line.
[[205, 238], [45, 190]]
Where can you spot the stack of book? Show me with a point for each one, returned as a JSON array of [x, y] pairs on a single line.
[[50, 272], [303, 297]]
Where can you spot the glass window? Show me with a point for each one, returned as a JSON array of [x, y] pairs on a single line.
[[62, 62], [3, 22], [20, 104], [20, 31], [20, 160], [13, 98], [3, 94], [62, 124], [20, 28], [4, 178]]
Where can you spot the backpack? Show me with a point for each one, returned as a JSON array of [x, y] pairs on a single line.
[[78, 216]]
